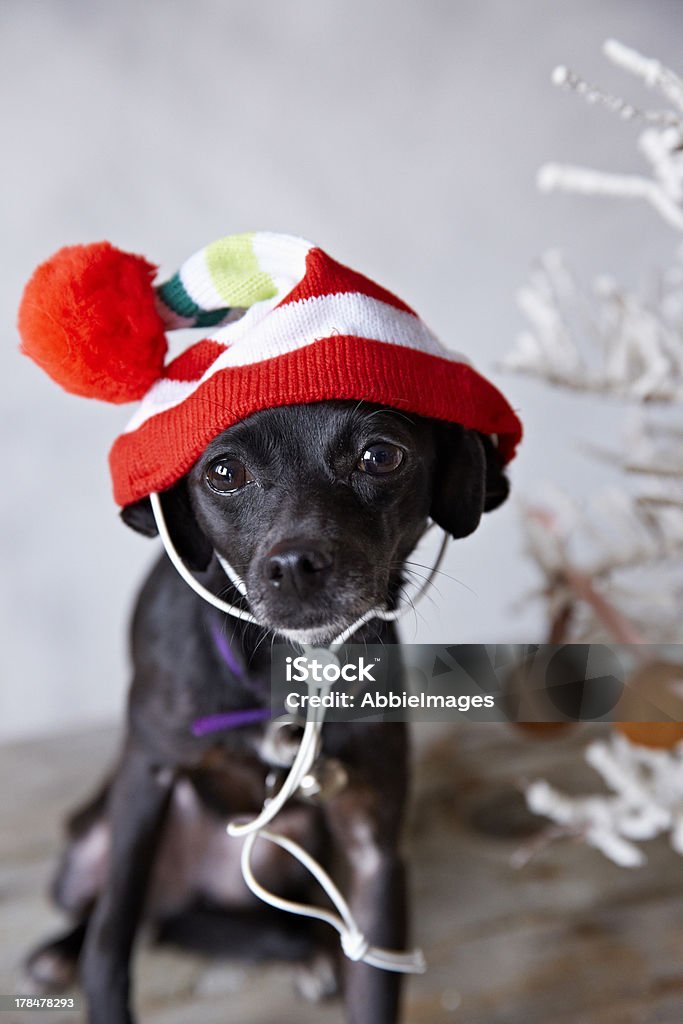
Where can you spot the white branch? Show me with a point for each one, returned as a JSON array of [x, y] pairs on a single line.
[[661, 143], [633, 341], [652, 72], [583, 180], [646, 800]]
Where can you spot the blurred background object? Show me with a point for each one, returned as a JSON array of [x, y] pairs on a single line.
[[613, 565]]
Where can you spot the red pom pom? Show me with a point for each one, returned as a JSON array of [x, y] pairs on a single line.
[[88, 318]]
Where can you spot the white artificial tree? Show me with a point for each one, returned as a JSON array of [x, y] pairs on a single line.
[[613, 566]]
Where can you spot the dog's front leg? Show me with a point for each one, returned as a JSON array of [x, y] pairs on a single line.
[[372, 996], [377, 898], [138, 801]]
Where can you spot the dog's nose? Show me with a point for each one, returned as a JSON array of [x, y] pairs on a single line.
[[298, 567]]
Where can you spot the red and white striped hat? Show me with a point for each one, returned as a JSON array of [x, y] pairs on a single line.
[[288, 324]]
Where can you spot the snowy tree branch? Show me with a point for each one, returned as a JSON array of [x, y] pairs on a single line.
[[661, 143]]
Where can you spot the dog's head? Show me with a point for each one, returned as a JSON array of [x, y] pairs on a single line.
[[318, 506]]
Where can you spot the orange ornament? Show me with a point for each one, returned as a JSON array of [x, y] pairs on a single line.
[[655, 688], [652, 734]]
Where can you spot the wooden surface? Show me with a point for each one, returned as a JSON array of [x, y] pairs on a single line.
[[568, 939]]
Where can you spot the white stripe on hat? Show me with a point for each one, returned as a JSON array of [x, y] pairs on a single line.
[[198, 284], [283, 257], [257, 337]]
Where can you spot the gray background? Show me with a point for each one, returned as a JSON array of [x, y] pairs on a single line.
[[403, 138]]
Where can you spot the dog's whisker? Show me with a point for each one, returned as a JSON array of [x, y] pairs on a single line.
[[265, 633], [359, 403], [440, 572], [388, 412], [428, 597], [409, 601], [430, 585]]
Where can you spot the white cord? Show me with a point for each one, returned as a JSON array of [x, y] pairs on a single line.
[[302, 764], [353, 942], [223, 606], [236, 580]]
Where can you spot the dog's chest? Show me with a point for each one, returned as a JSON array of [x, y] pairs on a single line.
[[227, 785], [197, 858]]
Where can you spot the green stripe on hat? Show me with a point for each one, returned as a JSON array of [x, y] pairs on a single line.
[[235, 271], [173, 294]]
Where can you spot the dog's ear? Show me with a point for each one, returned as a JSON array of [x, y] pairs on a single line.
[[468, 479], [191, 544], [139, 517], [497, 484]]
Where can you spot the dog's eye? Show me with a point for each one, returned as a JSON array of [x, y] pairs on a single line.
[[380, 459], [226, 475]]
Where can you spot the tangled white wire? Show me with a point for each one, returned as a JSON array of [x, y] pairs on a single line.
[[353, 942]]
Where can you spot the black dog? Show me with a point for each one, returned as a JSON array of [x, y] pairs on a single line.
[[317, 507]]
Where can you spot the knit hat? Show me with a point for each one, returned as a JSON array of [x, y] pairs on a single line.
[[286, 324]]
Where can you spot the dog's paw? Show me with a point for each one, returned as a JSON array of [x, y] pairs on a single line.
[[316, 980], [49, 971]]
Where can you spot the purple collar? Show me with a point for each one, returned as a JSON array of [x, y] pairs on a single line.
[[228, 719], [222, 645]]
